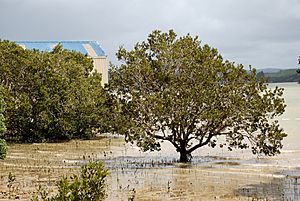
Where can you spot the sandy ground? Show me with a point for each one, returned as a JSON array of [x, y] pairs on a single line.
[[143, 176]]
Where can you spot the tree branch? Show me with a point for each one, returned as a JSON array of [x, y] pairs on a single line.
[[200, 143], [169, 138]]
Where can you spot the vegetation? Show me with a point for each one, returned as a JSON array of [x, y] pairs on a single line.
[[90, 186], [50, 95], [288, 75], [298, 70], [3, 145], [173, 89]]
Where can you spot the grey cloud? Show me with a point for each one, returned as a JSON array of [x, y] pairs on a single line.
[[262, 33]]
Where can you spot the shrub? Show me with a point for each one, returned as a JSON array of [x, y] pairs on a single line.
[[89, 186]]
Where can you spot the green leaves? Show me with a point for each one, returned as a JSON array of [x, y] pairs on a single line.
[[3, 145], [175, 89], [2, 119], [50, 95], [90, 185]]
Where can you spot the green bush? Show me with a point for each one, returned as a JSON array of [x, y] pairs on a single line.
[[89, 186]]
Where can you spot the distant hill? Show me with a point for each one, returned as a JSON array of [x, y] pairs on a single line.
[[269, 70], [279, 75]]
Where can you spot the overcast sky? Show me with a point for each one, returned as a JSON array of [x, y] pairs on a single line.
[[261, 33]]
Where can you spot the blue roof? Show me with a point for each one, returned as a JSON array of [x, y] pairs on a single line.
[[79, 46]]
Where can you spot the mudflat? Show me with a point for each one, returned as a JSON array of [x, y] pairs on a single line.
[[213, 174]]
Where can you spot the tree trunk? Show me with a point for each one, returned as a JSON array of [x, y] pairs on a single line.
[[185, 157]]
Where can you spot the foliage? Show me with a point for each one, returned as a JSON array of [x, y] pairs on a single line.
[[287, 75], [3, 145], [173, 89], [260, 75], [90, 186], [50, 95], [2, 124]]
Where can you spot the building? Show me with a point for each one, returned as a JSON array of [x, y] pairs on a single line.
[[89, 48]]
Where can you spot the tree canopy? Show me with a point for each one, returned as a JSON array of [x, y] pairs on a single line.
[[177, 90], [3, 145], [50, 95]]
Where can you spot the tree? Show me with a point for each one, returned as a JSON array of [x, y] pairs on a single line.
[[3, 145], [173, 89], [260, 75], [50, 95], [298, 70]]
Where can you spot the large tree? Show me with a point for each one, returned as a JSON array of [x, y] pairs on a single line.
[[174, 89], [50, 95]]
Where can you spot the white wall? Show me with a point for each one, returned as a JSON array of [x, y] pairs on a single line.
[[101, 65]]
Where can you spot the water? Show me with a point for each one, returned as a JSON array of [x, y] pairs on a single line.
[[290, 120], [215, 173]]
